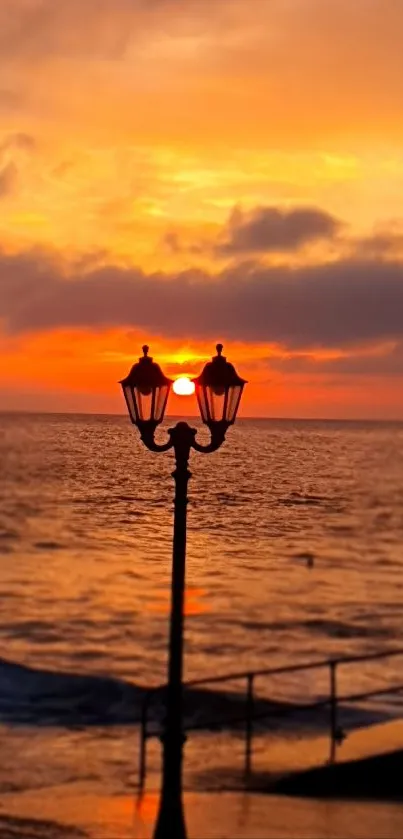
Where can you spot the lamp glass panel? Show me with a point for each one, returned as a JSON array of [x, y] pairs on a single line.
[[128, 392], [216, 399], [144, 403], [234, 395], [161, 396], [202, 400]]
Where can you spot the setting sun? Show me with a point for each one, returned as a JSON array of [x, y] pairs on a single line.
[[183, 386]]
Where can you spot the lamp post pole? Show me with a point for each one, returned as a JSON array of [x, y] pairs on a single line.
[[146, 390], [171, 820]]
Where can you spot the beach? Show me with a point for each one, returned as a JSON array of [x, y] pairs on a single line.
[[71, 814], [359, 798]]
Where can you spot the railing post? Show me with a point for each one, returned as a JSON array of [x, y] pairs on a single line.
[[143, 741], [249, 724], [333, 712]]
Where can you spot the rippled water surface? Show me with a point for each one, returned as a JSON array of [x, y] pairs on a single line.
[[294, 547]]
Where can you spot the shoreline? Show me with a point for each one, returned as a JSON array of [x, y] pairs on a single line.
[[291, 794], [359, 797]]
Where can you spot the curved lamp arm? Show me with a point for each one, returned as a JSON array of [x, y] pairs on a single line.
[[147, 431], [217, 433], [182, 438], [156, 447]]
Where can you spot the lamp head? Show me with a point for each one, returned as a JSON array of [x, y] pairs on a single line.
[[219, 390], [146, 390]]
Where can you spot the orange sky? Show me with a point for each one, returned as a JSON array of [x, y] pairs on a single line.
[[183, 172]]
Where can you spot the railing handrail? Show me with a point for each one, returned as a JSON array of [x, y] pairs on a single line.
[[286, 708], [333, 701], [289, 668]]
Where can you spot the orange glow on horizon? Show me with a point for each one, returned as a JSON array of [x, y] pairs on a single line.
[[78, 370]]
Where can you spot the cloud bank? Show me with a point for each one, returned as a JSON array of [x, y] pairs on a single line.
[[339, 304]]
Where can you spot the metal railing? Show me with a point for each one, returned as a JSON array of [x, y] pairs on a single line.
[[277, 708]]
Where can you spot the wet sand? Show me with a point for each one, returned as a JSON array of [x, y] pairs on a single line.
[[323, 801], [66, 813]]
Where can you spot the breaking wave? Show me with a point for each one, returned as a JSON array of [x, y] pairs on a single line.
[[37, 697]]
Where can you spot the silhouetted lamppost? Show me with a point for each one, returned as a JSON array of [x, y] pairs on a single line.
[[146, 390]]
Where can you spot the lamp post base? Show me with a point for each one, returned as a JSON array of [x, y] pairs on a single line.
[[171, 820]]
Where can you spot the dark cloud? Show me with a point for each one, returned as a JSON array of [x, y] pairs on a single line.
[[172, 242], [387, 363], [339, 304], [8, 179], [384, 244], [20, 141], [262, 230], [10, 146], [272, 229]]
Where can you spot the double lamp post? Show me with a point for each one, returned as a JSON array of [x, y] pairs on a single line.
[[146, 390]]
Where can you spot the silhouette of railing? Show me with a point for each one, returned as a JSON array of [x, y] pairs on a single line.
[[277, 709]]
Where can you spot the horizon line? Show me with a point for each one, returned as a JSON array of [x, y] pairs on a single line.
[[30, 412]]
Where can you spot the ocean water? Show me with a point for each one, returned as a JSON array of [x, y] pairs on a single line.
[[295, 553]]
